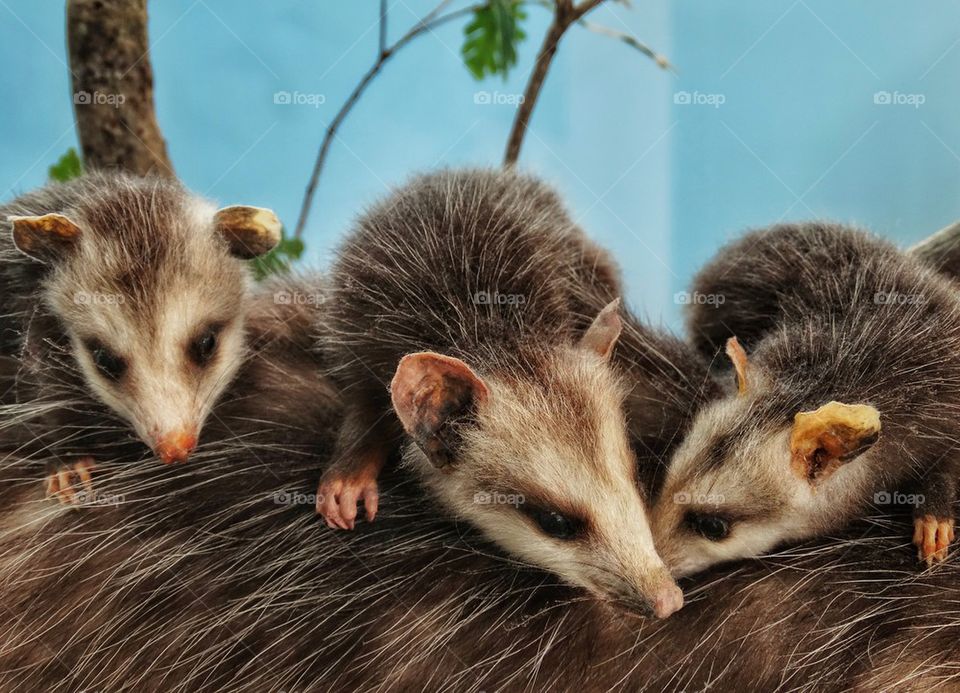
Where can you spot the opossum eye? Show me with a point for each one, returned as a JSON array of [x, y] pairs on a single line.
[[107, 362], [710, 527], [204, 346], [554, 524]]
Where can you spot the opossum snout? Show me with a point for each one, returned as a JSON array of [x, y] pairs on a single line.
[[176, 447], [661, 602], [657, 597], [668, 600]]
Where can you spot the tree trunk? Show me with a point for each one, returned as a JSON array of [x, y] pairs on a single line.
[[113, 86]]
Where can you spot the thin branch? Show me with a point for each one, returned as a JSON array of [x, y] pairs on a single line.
[[565, 14], [430, 21], [632, 41], [383, 26], [629, 39]]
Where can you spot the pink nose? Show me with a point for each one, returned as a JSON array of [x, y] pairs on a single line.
[[176, 447], [667, 600]]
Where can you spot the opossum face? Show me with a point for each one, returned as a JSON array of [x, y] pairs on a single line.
[[749, 477], [542, 466], [152, 300]]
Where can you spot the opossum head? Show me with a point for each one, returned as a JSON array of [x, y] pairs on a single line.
[[540, 463], [148, 284], [752, 474]]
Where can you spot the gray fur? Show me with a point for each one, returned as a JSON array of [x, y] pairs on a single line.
[[941, 250]]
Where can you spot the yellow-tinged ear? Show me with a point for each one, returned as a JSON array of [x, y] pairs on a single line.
[[44, 238], [249, 231], [739, 358], [825, 439]]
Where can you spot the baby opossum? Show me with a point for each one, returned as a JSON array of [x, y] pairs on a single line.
[[850, 395], [124, 298], [463, 292]]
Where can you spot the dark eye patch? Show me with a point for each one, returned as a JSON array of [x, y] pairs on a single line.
[[203, 347], [708, 525], [108, 362], [554, 523]]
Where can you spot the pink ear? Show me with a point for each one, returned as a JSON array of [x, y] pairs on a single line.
[[740, 363], [427, 391], [602, 335]]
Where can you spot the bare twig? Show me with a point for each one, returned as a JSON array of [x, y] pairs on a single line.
[[631, 41], [564, 14], [383, 26], [429, 22]]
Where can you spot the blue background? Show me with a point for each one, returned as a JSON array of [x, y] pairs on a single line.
[[799, 132]]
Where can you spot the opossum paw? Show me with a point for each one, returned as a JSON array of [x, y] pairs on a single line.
[[932, 537], [70, 483], [338, 495]]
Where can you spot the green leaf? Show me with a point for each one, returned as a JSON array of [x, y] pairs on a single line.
[[280, 259], [491, 38], [67, 167]]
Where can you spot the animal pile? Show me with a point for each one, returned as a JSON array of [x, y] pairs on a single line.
[[456, 461]]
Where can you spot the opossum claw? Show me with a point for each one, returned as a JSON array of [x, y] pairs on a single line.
[[337, 499], [60, 483], [932, 537]]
